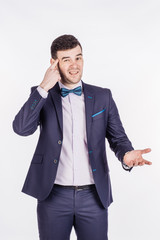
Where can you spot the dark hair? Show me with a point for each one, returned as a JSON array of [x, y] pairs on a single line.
[[63, 42]]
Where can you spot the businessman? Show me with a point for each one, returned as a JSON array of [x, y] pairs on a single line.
[[69, 174]]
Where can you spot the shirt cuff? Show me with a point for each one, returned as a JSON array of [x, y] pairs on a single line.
[[125, 166], [42, 92]]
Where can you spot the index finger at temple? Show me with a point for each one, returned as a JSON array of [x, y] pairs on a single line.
[[54, 64]]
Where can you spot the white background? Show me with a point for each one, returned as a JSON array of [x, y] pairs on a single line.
[[121, 47]]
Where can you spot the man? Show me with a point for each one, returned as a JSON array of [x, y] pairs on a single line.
[[69, 173]]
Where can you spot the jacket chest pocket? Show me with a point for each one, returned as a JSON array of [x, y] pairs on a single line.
[[98, 115]]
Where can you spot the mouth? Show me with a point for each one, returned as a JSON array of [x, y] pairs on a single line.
[[73, 73]]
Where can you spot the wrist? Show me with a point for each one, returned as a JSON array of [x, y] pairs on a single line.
[[125, 162], [44, 87], [125, 157]]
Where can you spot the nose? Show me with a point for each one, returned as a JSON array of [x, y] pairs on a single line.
[[73, 64]]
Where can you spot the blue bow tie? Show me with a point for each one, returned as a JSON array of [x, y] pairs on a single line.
[[77, 91]]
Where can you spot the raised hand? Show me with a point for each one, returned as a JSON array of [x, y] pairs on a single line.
[[134, 158], [51, 76]]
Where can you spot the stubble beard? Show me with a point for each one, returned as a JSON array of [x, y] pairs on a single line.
[[66, 80]]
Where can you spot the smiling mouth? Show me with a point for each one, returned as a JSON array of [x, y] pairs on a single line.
[[73, 73]]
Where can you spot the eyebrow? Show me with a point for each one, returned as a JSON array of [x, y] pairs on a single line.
[[80, 54]]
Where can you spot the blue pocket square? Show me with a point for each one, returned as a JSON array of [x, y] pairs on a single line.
[[98, 113]]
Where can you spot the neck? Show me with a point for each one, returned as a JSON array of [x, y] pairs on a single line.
[[69, 85]]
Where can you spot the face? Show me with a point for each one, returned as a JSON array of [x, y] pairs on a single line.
[[70, 65]]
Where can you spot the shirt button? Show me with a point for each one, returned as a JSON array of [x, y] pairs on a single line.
[[55, 161], [59, 142]]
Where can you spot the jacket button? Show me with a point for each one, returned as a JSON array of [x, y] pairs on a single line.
[[59, 142], [55, 161]]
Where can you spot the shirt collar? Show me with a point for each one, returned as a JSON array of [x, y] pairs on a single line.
[[61, 85]]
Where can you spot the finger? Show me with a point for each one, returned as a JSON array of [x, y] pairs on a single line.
[[146, 150], [135, 163], [141, 164], [147, 162], [56, 71], [54, 64]]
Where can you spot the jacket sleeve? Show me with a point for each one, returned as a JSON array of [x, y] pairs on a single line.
[[115, 133], [27, 119]]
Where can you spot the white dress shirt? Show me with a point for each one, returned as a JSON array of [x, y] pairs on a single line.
[[74, 166]]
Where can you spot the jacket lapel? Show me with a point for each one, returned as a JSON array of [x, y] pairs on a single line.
[[89, 103], [56, 98]]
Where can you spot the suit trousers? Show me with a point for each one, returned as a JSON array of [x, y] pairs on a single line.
[[66, 208]]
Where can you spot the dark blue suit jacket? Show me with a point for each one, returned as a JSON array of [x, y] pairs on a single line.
[[102, 121]]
